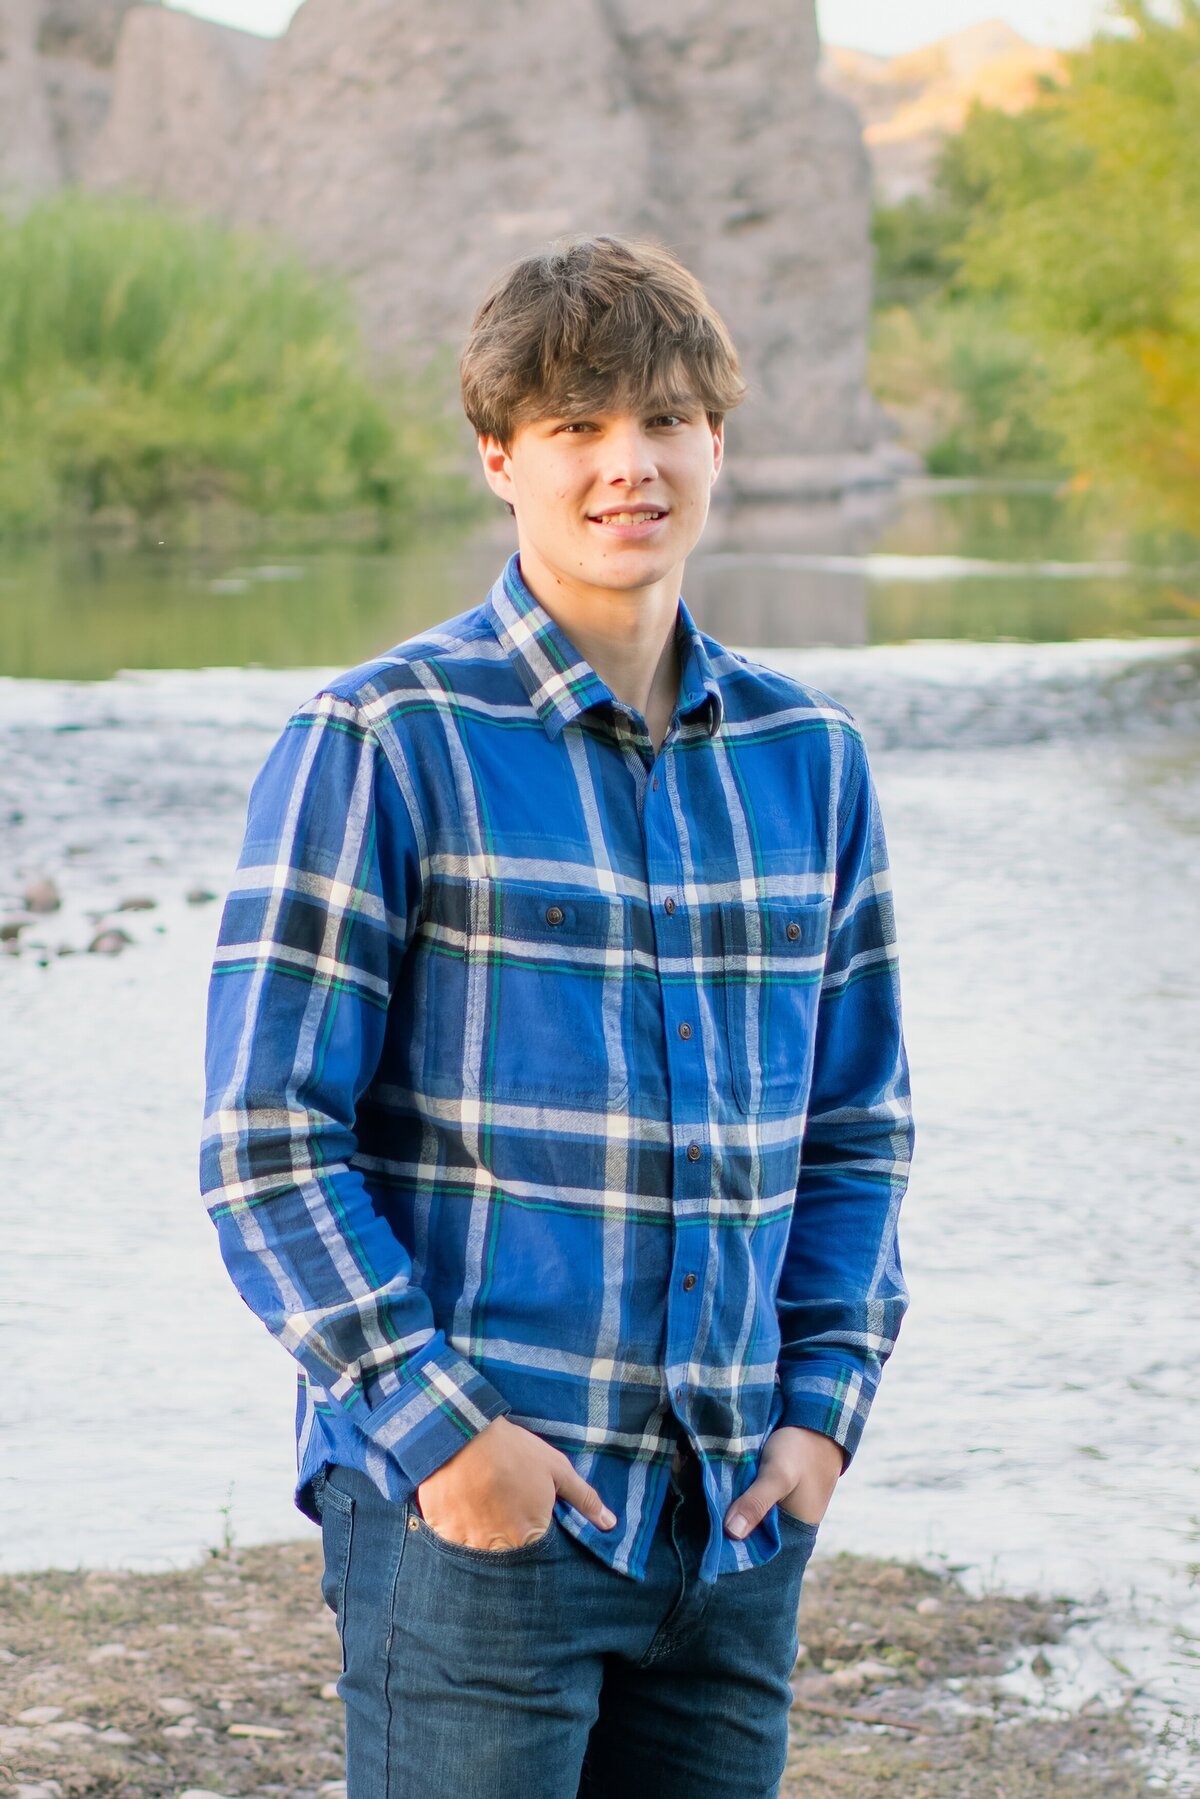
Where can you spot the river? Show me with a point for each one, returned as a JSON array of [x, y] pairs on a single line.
[[1031, 701]]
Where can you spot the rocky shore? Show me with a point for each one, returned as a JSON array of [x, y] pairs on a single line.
[[217, 1683]]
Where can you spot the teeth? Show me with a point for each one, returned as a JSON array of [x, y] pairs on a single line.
[[628, 518]]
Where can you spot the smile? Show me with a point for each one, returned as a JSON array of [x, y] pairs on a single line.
[[627, 520]]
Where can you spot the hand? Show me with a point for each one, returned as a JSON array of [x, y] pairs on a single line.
[[498, 1490], [798, 1469]]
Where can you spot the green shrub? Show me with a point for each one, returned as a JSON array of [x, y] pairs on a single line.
[[150, 362]]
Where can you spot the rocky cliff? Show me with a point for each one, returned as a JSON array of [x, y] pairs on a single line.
[[908, 104], [56, 60], [415, 152]]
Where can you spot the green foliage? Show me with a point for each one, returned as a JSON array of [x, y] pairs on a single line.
[[150, 362], [1052, 279], [1097, 246]]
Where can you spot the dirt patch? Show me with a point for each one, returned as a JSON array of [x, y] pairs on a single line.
[[130, 1686]]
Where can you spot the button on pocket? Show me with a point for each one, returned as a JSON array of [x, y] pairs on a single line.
[[773, 962], [545, 996]]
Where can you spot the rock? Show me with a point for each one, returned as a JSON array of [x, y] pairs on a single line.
[[179, 1733], [171, 1707], [182, 89], [333, 1789], [46, 1789], [70, 1727], [199, 896], [116, 1739], [329, 1690], [200, 1793], [1041, 1665], [266, 1731], [42, 895], [929, 1607], [438, 140], [138, 903], [850, 1679], [109, 942], [39, 1714], [876, 1671], [107, 1652]]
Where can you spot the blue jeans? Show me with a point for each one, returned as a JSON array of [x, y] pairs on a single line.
[[538, 1673]]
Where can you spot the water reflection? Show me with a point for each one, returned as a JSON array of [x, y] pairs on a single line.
[[878, 567]]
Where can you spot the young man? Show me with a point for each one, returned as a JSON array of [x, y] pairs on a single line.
[[558, 1109]]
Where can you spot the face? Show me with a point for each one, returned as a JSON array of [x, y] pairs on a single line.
[[610, 503]]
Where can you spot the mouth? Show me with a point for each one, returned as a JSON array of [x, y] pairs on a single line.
[[631, 521]]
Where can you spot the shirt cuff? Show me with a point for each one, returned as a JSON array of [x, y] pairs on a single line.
[[831, 1398], [444, 1402]]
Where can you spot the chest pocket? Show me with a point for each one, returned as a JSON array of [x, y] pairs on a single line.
[[773, 961], [541, 997]]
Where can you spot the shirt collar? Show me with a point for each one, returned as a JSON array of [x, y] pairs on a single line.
[[560, 683]]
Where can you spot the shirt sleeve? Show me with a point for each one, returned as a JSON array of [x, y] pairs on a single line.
[[311, 944], [841, 1294]]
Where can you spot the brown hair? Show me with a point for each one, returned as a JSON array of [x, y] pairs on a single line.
[[594, 324]]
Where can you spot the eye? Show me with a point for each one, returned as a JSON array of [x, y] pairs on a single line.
[[669, 419], [574, 425]]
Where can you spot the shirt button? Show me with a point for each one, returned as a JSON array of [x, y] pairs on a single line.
[[694, 1152], [668, 906], [554, 915], [685, 1030], [654, 783], [689, 1281], [413, 1523], [793, 931], [679, 1395]]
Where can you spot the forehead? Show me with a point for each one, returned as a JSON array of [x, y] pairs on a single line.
[[607, 408]]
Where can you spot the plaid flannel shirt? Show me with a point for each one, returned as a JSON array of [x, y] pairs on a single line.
[[552, 1077]]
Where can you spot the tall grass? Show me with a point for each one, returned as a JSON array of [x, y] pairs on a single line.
[[150, 362]]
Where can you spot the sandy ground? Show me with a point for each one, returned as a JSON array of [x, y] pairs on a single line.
[[217, 1681]]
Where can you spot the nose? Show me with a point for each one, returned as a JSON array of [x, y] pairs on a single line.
[[629, 455]]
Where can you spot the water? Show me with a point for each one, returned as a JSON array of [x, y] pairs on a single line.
[[1039, 1423]]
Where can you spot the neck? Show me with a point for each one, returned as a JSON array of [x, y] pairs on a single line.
[[627, 637]]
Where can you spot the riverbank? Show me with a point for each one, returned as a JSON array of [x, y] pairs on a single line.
[[218, 1680]]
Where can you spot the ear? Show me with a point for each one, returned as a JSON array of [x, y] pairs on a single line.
[[718, 437], [497, 467]]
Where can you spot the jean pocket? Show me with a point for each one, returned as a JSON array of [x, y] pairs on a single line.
[[796, 1530], [773, 961], [337, 1531], [466, 1553]]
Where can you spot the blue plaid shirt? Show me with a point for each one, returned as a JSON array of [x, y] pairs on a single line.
[[552, 1077]]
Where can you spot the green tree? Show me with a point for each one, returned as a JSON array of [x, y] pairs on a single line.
[[1090, 228]]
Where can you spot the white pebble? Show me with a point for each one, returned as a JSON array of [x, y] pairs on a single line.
[[39, 1714]]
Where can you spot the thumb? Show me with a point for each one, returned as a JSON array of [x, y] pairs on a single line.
[[750, 1508], [575, 1490]]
